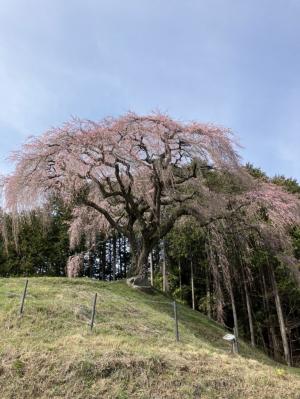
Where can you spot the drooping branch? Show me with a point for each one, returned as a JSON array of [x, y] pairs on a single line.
[[134, 174], [105, 213]]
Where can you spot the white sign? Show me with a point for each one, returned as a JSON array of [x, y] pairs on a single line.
[[229, 337]]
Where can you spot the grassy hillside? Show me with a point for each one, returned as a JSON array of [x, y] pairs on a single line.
[[50, 352]]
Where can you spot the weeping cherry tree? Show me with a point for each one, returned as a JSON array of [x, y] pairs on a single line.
[[135, 175]]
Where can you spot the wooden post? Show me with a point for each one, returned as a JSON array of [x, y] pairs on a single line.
[[94, 311], [192, 284], [164, 271], [176, 321], [208, 299], [235, 342], [151, 270], [180, 280], [114, 265], [23, 297]]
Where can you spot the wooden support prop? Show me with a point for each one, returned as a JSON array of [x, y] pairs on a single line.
[[193, 287], [151, 269], [164, 269], [23, 297], [236, 341], [176, 321], [94, 311]]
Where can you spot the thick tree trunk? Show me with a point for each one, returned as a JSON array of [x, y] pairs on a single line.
[[139, 266], [279, 311], [139, 260]]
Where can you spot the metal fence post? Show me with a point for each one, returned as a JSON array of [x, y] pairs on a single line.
[[23, 297], [94, 311]]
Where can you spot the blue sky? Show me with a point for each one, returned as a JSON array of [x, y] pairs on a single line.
[[232, 62]]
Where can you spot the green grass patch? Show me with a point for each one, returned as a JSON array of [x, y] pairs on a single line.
[[50, 352]]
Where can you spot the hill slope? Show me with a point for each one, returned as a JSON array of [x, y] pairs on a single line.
[[50, 352]]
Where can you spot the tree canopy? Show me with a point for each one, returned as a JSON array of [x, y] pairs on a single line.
[[137, 175]]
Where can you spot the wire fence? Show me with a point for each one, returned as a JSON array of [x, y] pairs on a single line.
[[91, 322], [93, 310]]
